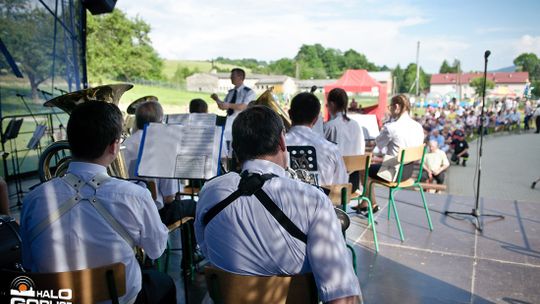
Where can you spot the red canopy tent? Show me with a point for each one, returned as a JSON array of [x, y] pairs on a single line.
[[356, 81]]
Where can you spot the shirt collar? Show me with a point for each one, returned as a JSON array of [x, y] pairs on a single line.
[[84, 167], [239, 88], [303, 129], [262, 166]]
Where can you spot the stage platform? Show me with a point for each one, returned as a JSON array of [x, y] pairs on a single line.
[[454, 263]]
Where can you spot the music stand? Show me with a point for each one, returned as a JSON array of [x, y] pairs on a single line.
[[304, 159], [12, 132], [33, 143]]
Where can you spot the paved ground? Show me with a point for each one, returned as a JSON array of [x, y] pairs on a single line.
[[510, 163]]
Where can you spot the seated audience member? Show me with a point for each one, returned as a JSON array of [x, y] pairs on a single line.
[[340, 129], [244, 238], [83, 236], [304, 112], [435, 163], [441, 142], [461, 148], [198, 105], [401, 132], [4, 197], [170, 209], [515, 118]]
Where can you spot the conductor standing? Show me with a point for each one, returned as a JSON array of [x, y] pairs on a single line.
[[236, 101]]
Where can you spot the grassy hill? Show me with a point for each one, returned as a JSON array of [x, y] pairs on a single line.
[[170, 66]]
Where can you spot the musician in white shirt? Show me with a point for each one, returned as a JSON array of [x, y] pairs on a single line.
[[236, 101], [170, 208], [401, 132], [343, 131], [304, 112], [340, 129]]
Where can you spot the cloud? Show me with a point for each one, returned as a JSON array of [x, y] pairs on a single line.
[[386, 32], [528, 44]]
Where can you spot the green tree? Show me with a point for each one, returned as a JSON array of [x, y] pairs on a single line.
[[409, 78], [478, 85], [181, 73], [120, 48], [529, 62], [26, 30], [397, 75], [447, 68], [283, 66]]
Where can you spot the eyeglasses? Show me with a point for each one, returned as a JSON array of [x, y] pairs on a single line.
[[123, 137]]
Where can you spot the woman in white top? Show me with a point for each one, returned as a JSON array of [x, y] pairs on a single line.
[[340, 129], [400, 132], [343, 131]]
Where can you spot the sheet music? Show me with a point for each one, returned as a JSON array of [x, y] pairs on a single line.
[[193, 119], [368, 123], [179, 151]]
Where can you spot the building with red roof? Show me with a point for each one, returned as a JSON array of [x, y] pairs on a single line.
[[510, 84]]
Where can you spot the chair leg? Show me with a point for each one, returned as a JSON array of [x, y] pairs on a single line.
[[389, 205], [426, 208], [371, 222], [392, 202]]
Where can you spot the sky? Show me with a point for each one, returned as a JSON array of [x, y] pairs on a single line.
[[386, 32]]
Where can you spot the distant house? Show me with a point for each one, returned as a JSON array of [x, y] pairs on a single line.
[[284, 86], [221, 83], [385, 78], [506, 84]]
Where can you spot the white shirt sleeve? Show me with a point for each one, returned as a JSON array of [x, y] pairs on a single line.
[[153, 233]]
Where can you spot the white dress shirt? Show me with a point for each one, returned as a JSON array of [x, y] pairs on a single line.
[[331, 167], [244, 95], [82, 238], [244, 238], [402, 133], [348, 135], [165, 186]]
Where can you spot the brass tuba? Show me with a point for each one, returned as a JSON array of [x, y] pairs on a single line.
[[67, 102], [267, 99]]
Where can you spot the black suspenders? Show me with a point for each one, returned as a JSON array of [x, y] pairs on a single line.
[[251, 184]]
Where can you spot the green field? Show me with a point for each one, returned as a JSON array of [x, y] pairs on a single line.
[[172, 99], [170, 66]]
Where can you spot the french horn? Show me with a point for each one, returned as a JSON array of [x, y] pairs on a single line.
[[60, 149], [267, 99]]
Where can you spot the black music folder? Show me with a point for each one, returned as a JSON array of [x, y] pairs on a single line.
[[12, 130]]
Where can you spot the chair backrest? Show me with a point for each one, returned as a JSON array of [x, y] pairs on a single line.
[[412, 154], [225, 287], [409, 155], [359, 163], [356, 162], [87, 285], [336, 194]]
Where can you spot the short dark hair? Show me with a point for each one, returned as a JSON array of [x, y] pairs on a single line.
[[339, 98], [240, 72], [198, 105], [305, 107], [92, 127], [150, 111], [256, 132]]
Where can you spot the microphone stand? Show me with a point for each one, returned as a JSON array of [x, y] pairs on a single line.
[[475, 213]]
